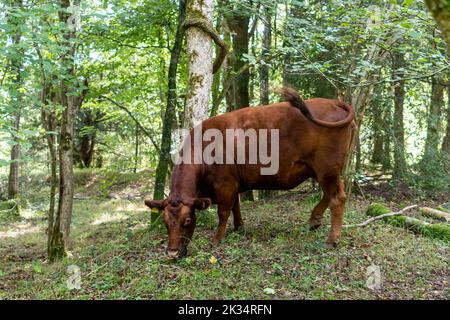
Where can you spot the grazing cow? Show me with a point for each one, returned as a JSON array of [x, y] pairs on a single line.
[[313, 142]]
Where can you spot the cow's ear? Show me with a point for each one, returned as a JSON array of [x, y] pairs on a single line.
[[202, 203], [155, 204]]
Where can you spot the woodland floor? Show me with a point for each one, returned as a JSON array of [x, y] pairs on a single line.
[[275, 256]]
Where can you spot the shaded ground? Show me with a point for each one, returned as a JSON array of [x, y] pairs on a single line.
[[274, 257]]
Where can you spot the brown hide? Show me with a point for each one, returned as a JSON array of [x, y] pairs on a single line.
[[310, 146]]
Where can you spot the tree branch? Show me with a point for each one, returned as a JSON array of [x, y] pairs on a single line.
[[144, 130], [209, 30], [390, 214]]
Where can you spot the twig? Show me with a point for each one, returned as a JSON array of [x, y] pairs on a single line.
[[144, 130], [390, 214]]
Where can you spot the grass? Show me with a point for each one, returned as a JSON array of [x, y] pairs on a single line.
[[275, 256]]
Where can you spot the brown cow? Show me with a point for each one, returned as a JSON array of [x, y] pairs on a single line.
[[314, 139]]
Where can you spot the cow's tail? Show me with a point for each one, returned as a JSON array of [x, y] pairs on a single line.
[[292, 96]]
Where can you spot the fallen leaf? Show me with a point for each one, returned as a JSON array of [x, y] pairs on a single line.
[[213, 260]]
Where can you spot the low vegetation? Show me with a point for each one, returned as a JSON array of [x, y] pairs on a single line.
[[275, 256]]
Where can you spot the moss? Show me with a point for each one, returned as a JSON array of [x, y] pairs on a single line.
[[377, 209], [438, 231], [12, 207], [443, 209]]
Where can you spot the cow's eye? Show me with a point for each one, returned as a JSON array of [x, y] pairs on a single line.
[[187, 222]]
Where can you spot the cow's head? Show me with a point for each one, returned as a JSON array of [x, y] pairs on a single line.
[[179, 218]]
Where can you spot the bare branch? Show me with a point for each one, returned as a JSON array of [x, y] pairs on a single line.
[[144, 130], [390, 214]]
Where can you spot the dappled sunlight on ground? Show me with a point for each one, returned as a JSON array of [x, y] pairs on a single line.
[[107, 217], [19, 229]]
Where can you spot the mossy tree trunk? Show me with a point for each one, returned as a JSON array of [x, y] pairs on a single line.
[[48, 118], [238, 21], [169, 120], [200, 68], [398, 62], [59, 241]]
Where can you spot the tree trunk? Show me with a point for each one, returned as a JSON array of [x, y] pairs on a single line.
[[238, 22], [292, 12], [264, 71], [398, 62], [434, 123], [446, 143], [136, 149], [169, 120], [87, 148], [199, 51], [16, 66], [54, 248], [441, 13], [387, 133], [377, 129], [59, 242]]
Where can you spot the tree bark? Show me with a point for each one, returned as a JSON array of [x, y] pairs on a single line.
[[48, 118], [199, 51], [238, 22], [59, 242], [446, 143], [434, 123], [398, 62], [264, 71], [441, 13], [377, 129], [16, 67], [169, 119]]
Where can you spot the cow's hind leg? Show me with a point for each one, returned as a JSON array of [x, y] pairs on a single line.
[[316, 219], [334, 190], [225, 202], [237, 218]]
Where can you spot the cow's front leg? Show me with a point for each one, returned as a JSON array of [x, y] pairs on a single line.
[[316, 218], [224, 213], [225, 202]]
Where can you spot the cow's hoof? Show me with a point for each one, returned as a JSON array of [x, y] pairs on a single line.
[[331, 244], [238, 227], [313, 226]]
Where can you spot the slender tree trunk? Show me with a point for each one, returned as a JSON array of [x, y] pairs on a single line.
[[398, 62], [59, 242], [264, 71], [238, 21], [136, 148], [49, 123], [169, 120], [292, 12], [446, 142], [16, 66], [434, 123], [387, 133], [13, 179], [215, 90], [377, 129]]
